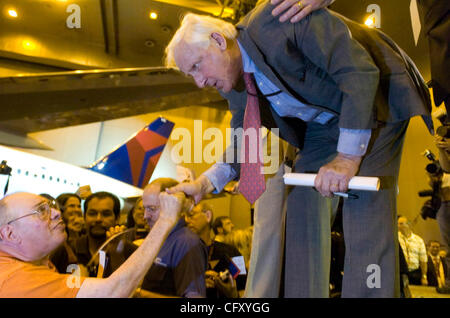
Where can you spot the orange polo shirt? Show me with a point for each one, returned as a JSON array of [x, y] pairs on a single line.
[[19, 279]]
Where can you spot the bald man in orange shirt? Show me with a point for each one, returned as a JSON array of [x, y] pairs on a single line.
[[31, 228]]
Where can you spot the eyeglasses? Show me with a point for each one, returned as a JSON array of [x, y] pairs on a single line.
[[192, 213], [43, 210], [151, 208]]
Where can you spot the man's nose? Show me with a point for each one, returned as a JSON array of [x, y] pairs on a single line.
[[78, 219], [199, 80], [147, 215], [55, 213]]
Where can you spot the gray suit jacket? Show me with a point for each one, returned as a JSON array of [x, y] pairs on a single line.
[[334, 65]]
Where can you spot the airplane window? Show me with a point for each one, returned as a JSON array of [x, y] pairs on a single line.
[[51, 178], [43, 176], [19, 171], [26, 173], [35, 175]]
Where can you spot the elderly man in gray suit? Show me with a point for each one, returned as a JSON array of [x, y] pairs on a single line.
[[341, 93]]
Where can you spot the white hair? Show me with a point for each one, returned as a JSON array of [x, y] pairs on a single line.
[[197, 29]]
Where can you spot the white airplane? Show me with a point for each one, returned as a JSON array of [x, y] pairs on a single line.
[[124, 171]]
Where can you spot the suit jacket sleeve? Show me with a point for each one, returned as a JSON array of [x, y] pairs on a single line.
[[327, 42]]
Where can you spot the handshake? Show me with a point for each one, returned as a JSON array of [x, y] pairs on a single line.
[[173, 205]]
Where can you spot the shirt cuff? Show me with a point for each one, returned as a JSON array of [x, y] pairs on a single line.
[[219, 175], [353, 141]]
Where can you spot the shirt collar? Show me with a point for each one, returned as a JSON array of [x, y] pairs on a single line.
[[434, 258], [180, 224], [247, 63]]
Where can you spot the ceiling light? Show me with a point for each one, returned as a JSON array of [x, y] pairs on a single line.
[[28, 45], [153, 15], [12, 13], [370, 22]]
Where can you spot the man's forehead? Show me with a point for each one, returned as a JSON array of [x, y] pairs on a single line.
[[186, 55], [94, 202], [151, 195], [24, 199], [19, 202], [152, 189], [72, 200]]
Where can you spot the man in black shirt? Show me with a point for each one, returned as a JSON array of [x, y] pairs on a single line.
[[102, 210], [220, 255]]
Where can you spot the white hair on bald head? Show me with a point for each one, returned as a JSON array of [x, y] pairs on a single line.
[[197, 29]]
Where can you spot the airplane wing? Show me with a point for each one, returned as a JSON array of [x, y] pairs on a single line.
[[45, 101], [134, 161], [16, 139]]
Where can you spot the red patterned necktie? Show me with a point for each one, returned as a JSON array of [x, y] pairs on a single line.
[[252, 183]]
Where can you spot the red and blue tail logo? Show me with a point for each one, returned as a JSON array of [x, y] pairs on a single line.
[[134, 161]]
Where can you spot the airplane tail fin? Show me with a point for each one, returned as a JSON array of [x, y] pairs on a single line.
[[134, 161]]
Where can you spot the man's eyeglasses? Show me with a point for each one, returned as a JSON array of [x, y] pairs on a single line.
[[192, 213], [43, 210]]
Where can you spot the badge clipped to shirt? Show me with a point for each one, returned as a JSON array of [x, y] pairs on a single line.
[[237, 266]]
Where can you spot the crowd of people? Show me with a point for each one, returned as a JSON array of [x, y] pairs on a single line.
[[190, 262], [425, 264], [196, 259]]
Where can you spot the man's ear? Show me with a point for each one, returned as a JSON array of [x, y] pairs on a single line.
[[220, 41], [208, 216], [7, 234]]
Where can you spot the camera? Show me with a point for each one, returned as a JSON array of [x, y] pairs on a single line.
[[430, 209], [433, 168], [441, 115], [443, 131], [431, 206], [5, 169]]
